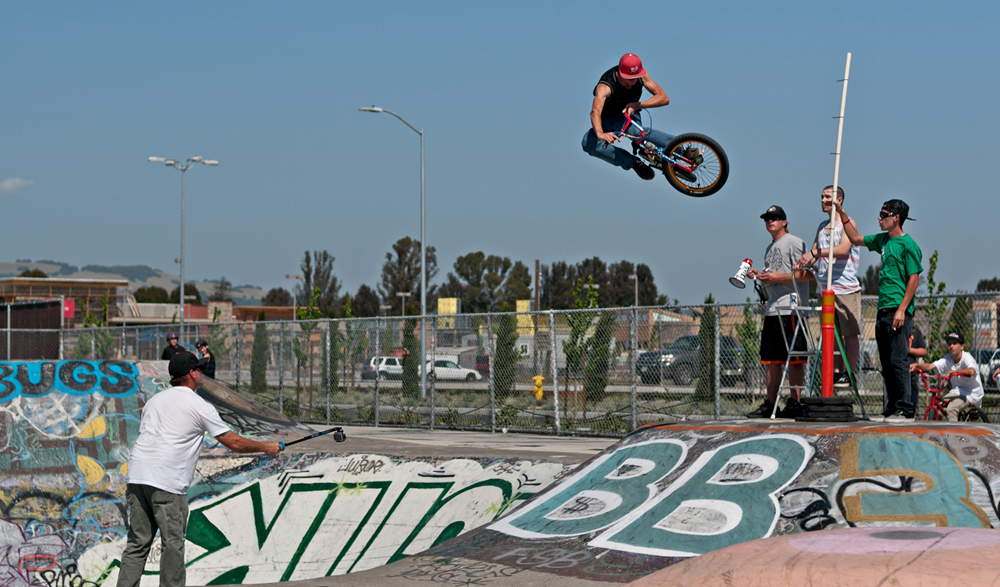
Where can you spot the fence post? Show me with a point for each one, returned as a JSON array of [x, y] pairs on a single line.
[[555, 368], [329, 370], [93, 343], [378, 352], [718, 371], [281, 367], [433, 381], [239, 354], [493, 404], [124, 357], [8, 330], [634, 319]]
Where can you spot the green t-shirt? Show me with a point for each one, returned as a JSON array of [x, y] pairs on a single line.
[[901, 258]]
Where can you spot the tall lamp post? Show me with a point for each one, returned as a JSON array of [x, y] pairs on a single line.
[[177, 164], [635, 277], [295, 277], [423, 250]]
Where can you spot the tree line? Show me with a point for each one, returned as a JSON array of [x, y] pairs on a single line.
[[483, 283]]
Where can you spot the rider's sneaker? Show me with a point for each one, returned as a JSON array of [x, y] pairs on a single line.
[[684, 174], [841, 380], [643, 170], [899, 416], [764, 411]]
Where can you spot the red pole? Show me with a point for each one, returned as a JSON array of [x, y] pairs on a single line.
[[828, 343]]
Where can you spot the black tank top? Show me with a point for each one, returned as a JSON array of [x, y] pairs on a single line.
[[620, 95]]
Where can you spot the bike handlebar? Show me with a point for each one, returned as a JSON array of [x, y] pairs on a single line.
[[942, 380]]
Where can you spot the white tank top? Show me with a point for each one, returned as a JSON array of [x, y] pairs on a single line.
[[845, 269]]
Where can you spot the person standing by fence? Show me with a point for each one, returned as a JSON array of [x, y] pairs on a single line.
[[897, 285], [202, 346], [172, 347]]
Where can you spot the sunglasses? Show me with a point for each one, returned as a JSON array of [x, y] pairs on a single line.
[[772, 218], [884, 214]]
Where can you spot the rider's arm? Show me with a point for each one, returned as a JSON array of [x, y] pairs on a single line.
[[967, 372], [659, 97], [928, 367], [601, 93], [850, 230]]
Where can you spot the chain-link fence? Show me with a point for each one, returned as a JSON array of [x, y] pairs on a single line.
[[592, 371]]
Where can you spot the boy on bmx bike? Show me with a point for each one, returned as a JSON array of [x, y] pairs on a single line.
[[967, 388]]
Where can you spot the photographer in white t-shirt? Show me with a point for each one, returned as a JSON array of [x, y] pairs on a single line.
[[967, 389], [161, 466]]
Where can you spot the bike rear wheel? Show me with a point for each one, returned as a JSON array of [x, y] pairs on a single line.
[[709, 176], [974, 415]]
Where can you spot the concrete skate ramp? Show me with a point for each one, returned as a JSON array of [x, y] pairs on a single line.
[[64, 444], [668, 493]]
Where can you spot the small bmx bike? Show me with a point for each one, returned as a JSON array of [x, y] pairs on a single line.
[[937, 409], [694, 164]]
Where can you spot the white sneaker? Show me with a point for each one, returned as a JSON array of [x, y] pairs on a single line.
[[898, 417]]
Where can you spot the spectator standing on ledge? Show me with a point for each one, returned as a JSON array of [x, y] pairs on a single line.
[[785, 249], [897, 285], [172, 347], [209, 370], [162, 465], [846, 287]]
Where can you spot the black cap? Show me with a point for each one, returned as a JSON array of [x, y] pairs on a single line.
[[183, 363], [775, 211], [899, 207], [201, 342], [957, 336]]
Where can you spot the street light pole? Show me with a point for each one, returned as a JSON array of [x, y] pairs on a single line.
[[183, 167], [635, 277], [295, 277], [423, 250]]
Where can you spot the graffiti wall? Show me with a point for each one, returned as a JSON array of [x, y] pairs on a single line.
[[668, 493], [335, 515], [64, 445]]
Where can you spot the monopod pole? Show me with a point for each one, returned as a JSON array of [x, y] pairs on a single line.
[[826, 389]]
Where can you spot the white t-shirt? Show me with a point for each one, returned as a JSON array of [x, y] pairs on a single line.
[[174, 423], [845, 269], [970, 388], [779, 258]]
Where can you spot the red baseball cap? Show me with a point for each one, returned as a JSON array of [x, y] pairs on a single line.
[[630, 66]]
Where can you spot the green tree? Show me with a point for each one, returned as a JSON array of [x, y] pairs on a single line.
[[599, 357], [579, 322], [365, 303], [960, 320], [152, 295], [302, 347], [505, 354], [260, 355], [401, 273], [988, 284], [557, 285], [869, 281], [218, 337], [482, 278], [223, 291], [191, 294], [97, 343], [748, 334], [411, 359], [518, 284], [318, 271], [277, 296], [33, 273], [706, 352], [935, 309], [355, 339]]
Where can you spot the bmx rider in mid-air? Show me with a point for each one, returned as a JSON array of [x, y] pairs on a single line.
[[616, 96]]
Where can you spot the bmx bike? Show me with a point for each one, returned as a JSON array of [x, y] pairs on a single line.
[[937, 409], [694, 164]]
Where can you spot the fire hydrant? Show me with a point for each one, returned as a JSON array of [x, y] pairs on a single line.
[[538, 387]]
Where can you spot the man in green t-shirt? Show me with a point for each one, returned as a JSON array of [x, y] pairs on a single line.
[[897, 284]]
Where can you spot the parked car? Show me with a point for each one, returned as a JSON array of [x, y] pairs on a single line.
[[383, 368], [445, 370], [679, 362]]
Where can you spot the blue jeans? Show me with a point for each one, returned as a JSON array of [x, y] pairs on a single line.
[[614, 155]]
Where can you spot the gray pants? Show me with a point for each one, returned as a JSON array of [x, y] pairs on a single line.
[[150, 509]]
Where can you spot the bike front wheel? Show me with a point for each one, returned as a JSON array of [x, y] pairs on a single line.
[[708, 176]]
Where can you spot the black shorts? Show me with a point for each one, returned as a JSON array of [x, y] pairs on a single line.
[[773, 346]]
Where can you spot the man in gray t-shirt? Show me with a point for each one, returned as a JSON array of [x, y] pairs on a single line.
[[779, 323]]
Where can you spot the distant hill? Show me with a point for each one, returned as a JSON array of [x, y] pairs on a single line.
[[137, 276]]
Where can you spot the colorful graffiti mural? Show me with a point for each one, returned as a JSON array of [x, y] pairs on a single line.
[[672, 492], [338, 515]]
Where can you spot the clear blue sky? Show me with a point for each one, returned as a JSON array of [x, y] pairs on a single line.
[[271, 90]]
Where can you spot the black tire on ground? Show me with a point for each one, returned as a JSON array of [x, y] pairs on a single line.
[[683, 375], [382, 376], [711, 174], [827, 401], [470, 377], [829, 409]]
